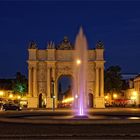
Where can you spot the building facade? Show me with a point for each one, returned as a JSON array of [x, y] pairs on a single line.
[[47, 66], [133, 91], [137, 83], [137, 88]]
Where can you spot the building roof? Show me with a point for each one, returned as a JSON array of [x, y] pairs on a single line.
[[127, 76]]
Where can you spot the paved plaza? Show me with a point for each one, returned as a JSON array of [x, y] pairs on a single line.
[[109, 123], [120, 115]]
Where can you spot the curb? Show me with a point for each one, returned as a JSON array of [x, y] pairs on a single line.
[[69, 121]]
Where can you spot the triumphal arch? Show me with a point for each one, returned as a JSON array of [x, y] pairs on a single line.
[[46, 66]]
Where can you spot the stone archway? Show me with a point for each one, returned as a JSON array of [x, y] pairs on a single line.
[[61, 93], [46, 66]]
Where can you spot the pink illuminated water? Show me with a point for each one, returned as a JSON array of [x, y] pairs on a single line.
[[80, 73]]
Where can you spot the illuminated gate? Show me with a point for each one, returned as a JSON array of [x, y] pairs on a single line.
[[46, 66]]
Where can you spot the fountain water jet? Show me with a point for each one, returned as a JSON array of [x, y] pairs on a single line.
[[80, 73]]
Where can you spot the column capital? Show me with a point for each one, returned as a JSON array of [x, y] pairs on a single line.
[[35, 67], [97, 68], [48, 68], [29, 67]]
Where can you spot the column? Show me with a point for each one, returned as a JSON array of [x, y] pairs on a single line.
[[102, 82], [30, 82], [33, 100], [53, 75], [35, 82], [97, 82], [48, 83], [49, 99]]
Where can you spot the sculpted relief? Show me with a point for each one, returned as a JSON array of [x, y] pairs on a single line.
[[65, 44], [42, 71], [90, 87], [42, 87], [91, 72], [63, 69], [66, 55], [42, 78], [91, 55]]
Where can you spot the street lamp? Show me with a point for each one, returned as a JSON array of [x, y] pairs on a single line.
[[106, 97], [115, 96], [78, 61], [134, 93], [76, 96], [11, 96], [18, 97], [53, 96], [1, 93]]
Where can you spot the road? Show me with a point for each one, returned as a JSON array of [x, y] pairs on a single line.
[[39, 124]]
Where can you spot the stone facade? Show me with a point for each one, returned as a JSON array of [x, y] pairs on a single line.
[[137, 83], [133, 92], [137, 87], [57, 60]]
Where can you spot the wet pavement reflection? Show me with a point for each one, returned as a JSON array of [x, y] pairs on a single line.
[[96, 117]]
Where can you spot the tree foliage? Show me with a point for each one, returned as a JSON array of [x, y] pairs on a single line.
[[20, 84], [113, 79]]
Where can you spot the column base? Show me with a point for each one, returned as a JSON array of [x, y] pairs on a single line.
[[50, 103], [32, 102], [99, 102]]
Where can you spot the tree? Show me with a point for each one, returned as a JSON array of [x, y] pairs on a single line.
[[113, 79], [20, 84]]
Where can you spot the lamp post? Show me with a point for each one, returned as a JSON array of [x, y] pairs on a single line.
[[53, 96]]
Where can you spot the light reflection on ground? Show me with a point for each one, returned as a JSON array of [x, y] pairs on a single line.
[[134, 118], [100, 117]]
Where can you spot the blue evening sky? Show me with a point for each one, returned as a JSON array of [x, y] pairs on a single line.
[[116, 23]]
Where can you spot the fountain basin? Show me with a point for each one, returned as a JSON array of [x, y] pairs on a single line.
[[81, 117]]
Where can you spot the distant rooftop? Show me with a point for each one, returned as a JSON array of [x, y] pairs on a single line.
[[126, 76]]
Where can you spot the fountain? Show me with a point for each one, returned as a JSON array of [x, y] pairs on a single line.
[[80, 74]]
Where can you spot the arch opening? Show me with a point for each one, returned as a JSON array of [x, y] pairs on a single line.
[[64, 91]]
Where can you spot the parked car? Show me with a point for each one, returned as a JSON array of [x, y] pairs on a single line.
[[11, 106]]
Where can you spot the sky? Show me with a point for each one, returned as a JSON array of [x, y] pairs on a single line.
[[116, 23]]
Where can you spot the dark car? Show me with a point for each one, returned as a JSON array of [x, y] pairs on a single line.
[[11, 106]]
